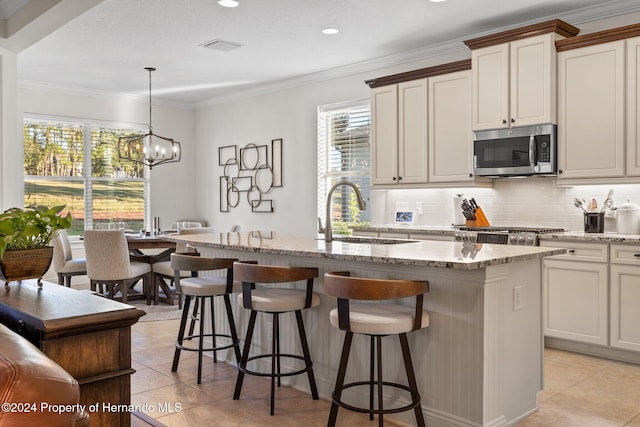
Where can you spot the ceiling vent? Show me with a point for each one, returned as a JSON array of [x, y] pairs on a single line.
[[222, 45]]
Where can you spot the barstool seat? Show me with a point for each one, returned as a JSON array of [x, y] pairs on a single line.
[[279, 299], [380, 319], [275, 301], [376, 321], [200, 289]]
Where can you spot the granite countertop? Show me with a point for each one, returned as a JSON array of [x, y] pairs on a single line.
[[580, 236], [449, 231], [428, 253]]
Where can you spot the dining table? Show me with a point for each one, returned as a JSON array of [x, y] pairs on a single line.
[[137, 244]]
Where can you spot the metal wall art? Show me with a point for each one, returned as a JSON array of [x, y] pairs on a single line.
[[250, 172]]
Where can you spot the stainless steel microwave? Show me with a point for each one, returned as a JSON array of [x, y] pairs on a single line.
[[520, 151]]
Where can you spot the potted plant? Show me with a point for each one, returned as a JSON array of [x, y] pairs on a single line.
[[25, 237]]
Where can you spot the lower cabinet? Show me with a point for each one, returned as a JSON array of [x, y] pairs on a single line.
[[575, 293], [575, 300], [625, 297], [591, 294]]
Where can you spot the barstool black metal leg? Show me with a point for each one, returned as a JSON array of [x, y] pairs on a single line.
[[194, 315], [307, 355], [183, 325], [213, 330], [201, 339], [276, 328], [413, 385], [380, 395], [342, 370], [372, 353], [245, 354], [275, 359], [232, 327]]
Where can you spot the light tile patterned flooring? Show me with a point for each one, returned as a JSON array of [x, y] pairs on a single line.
[[579, 390]]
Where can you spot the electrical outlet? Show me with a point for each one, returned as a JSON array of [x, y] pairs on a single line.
[[517, 298], [419, 208]]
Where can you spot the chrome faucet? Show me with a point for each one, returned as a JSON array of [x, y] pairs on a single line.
[[328, 232]]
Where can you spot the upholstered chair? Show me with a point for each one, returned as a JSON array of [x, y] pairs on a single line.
[[108, 265], [63, 262]]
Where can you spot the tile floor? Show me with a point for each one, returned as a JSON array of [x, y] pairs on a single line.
[[579, 390]]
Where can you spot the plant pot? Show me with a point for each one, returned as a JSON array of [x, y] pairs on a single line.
[[25, 264]]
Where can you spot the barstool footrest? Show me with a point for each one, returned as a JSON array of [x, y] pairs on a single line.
[[278, 357], [414, 403], [192, 337]]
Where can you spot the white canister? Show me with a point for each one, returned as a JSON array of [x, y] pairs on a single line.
[[628, 219]]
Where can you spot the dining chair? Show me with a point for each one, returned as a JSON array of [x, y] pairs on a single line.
[[163, 272], [63, 262], [109, 266]]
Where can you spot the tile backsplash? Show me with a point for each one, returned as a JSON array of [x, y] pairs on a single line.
[[523, 202]]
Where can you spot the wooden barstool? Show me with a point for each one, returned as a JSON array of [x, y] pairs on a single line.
[[202, 289], [377, 321], [275, 301]]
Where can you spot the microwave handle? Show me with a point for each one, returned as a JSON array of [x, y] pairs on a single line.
[[533, 155]]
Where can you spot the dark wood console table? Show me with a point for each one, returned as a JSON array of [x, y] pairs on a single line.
[[89, 336]]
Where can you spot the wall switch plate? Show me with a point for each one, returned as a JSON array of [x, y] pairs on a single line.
[[419, 208], [517, 298]]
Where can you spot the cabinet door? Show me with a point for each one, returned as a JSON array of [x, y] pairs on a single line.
[[490, 69], [533, 81], [633, 106], [384, 135], [625, 300], [412, 132], [591, 111], [450, 136], [575, 301]]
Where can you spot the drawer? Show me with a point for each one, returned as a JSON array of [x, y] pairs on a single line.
[[365, 233], [625, 254], [424, 236], [392, 235], [577, 251]]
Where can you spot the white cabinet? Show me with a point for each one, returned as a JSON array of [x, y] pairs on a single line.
[[399, 133], [384, 135], [514, 84], [625, 296], [591, 106], [633, 107], [575, 293], [421, 131], [450, 136]]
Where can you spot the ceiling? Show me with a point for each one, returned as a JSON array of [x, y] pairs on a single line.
[[106, 48]]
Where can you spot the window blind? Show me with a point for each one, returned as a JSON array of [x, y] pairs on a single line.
[[343, 154]]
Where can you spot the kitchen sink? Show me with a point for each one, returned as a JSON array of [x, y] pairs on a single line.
[[371, 240]]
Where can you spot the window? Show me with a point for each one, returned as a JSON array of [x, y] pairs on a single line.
[[343, 154], [75, 163]]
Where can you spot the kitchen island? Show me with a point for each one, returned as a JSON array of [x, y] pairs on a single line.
[[479, 363]]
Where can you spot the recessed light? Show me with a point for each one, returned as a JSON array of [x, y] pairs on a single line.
[[228, 3], [436, 1], [330, 31]]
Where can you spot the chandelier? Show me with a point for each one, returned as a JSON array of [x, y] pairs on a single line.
[[149, 149]]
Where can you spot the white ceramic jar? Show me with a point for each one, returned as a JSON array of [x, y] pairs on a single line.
[[628, 219]]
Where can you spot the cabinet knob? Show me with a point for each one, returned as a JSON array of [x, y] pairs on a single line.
[[513, 120], [504, 122], [394, 178], [571, 251], [399, 178], [470, 175], [560, 171], [636, 255]]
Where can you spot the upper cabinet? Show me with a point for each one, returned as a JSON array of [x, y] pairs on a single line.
[[598, 99], [421, 127], [633, 106], [514, 76], [591, 106]]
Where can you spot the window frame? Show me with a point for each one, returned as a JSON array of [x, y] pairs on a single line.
[[87, 179]]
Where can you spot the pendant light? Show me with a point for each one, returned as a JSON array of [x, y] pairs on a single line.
[[149, 149]]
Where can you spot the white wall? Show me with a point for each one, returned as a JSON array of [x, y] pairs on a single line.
[[173, 194]]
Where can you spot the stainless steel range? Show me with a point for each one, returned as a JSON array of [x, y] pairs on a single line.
[[527, 236]]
